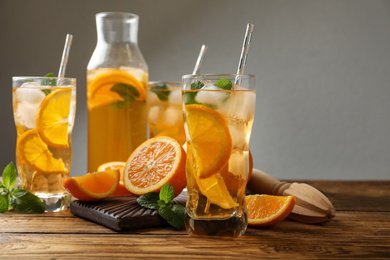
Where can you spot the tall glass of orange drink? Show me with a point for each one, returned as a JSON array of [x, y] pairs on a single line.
[[219, 112], [117, 75], [165, 110], [44, 110]]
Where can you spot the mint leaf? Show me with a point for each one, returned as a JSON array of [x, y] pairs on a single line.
[[49, 82], [149, 200], [162, 204], [173, 215], [167, 193], [189, 97], [163, 201], [161, 91], [9, 175], [224, 84], [3, 202], [197, 85], [127, 92], [26, 202]]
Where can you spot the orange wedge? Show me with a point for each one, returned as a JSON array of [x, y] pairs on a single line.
[[36, 154], [52, 119], [93, 186], [268, 210], [99, 90], [210, 139], [157, 161], [121, 191]]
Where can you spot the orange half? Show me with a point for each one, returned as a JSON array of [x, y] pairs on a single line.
[[157, 161]]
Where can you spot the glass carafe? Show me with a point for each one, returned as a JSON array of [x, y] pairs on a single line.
[[117, 75]]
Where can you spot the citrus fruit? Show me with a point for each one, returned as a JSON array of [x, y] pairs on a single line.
[[210, 139], [121, 191], [100, 92], [157, 161], [93, 186], [52, 120], [214, 188], [267, 210], [36, 154]]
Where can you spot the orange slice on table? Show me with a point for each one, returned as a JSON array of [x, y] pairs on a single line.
[[267, 210], [99, 90], [211, 143], [52, 120], [121, 191], [93, 186], [36, 154], [157, 161]]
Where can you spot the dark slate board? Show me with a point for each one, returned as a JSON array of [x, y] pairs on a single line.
[[121, 213]]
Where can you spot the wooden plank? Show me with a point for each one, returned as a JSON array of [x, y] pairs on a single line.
[[268, 245]]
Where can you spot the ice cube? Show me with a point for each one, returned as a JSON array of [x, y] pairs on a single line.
[[172, 115], [237, 132], [239, 164], [245, 105], [175, 97], [214, 97], [26, 114], [30, 92], [154, 115]]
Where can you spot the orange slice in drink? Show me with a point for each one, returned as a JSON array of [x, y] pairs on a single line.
[[36, 154], [93, 186], [211, 142], [267, 210], [157, 161], [214, 188], [121, 191], [100, 93], [52, 119]]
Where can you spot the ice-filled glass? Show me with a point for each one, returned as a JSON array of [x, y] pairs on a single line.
[[219, 112], [44, 110], [165, 110]]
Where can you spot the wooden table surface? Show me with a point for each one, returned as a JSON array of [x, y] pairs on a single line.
[[361, 229]]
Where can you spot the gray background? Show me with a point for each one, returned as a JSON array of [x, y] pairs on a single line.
[[322, 67]]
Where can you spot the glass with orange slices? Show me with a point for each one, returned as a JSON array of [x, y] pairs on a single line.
[[218, 116], [44, 110], [165, 110]]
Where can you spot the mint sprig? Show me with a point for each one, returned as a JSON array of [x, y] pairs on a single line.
[[163, 202], [189, 97], [127, 92], [161, 91], [20, 200]]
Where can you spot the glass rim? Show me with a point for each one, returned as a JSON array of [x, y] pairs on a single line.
[[163, 82], [40, 77], [117, 15], [226, 75]]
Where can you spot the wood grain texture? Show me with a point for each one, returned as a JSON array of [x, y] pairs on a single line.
[[359, 231]]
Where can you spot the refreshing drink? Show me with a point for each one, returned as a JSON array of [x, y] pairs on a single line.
[[218, 122], [44, 110], [116, 114], [165, 110], [117, 75]]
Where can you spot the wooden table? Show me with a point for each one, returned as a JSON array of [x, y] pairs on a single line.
[[361, 229]]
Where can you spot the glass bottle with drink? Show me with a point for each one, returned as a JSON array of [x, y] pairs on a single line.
[[117, 75]]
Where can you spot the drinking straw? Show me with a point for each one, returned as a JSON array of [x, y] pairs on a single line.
[[244, 52], [200, 59], [65, 56]]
